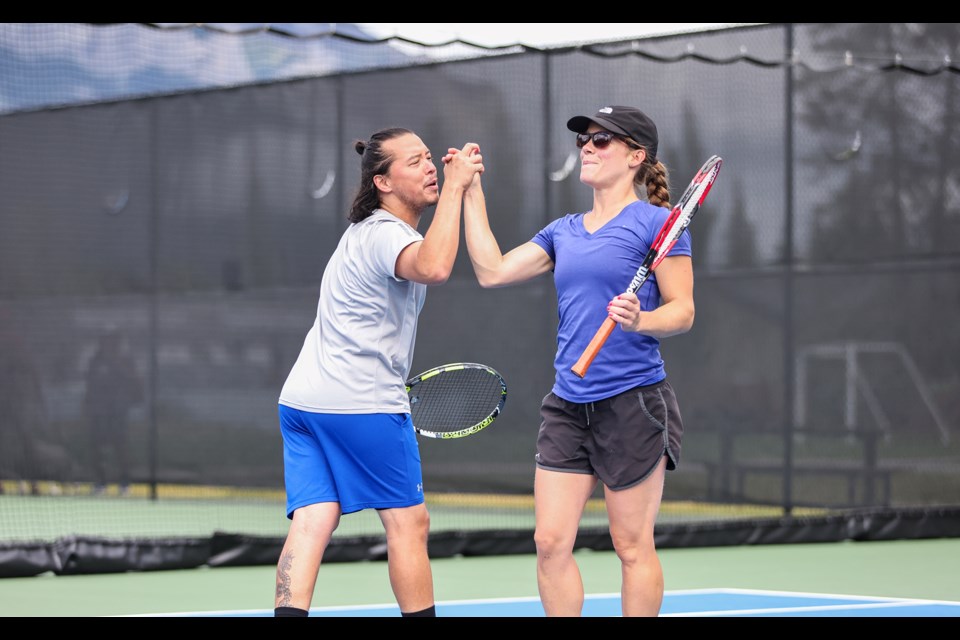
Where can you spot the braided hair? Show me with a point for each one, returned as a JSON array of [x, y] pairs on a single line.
[[653, 177]]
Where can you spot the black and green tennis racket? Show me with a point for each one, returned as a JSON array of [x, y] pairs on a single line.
[[455, 400]]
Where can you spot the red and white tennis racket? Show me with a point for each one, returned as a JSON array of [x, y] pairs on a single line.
[[677, 222]]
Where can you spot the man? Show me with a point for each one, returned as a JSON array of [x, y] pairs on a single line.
[[348, 440]]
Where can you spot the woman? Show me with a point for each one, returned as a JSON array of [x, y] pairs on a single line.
[[620, 424]]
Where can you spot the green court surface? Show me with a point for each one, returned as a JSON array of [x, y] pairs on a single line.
[[922, 569]]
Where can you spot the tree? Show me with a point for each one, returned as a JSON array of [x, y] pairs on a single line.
[[882, 141]]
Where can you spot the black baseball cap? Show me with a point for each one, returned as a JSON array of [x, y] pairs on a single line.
[[627, 121]]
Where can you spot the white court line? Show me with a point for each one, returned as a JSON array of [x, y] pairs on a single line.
[[830, 607], [807, 594], [870, 602]]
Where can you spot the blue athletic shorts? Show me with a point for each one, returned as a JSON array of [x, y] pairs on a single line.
[[362, 461]]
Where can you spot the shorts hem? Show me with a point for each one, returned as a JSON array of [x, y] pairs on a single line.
[[307, 503], [630, 485], [380, 505], [584, 472]]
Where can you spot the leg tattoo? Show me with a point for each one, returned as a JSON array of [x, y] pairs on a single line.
[[284, 597]]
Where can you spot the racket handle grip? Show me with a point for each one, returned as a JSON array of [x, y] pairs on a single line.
[[586, 358]]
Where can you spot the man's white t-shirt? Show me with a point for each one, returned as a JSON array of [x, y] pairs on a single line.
[[357, 356]]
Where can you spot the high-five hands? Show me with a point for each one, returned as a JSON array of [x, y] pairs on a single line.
[[461, 165]]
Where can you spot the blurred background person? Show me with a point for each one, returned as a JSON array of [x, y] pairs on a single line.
[[22, 410], [113, 389]]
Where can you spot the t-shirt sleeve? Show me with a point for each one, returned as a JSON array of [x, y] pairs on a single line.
[[684, 245], [389, 238], [544, 239]]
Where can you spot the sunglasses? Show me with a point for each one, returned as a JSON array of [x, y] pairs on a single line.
[[602, 139]]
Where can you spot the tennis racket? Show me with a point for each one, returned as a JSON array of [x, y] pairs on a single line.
[[677, 222], [455, 400]]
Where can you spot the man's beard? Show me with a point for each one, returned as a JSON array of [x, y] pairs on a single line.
[[417, 205]]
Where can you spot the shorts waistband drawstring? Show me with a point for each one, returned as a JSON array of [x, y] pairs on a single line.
[[588, 407]]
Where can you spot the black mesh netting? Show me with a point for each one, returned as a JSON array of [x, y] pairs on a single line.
[[163, 230]]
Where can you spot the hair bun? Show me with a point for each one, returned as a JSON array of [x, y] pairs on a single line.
[[360, 146]]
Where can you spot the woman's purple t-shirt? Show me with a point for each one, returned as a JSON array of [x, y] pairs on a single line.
[[589, 270]]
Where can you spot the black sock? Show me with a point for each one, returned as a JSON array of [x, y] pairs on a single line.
[[289, 612], [429, 612]]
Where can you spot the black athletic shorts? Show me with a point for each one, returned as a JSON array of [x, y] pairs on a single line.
[[619, 439]]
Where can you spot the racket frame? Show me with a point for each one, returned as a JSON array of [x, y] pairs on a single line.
[[458, 366]]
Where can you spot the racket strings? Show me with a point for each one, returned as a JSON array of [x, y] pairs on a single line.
[[455, 400]]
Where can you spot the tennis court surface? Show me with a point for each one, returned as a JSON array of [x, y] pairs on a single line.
[[688, 603]]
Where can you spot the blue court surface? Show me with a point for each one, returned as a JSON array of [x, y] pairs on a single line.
[[692, 603]]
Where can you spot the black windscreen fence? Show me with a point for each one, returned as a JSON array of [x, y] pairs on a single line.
[[161, 249]]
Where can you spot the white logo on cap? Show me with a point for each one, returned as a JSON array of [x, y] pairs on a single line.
[[606, 110]]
